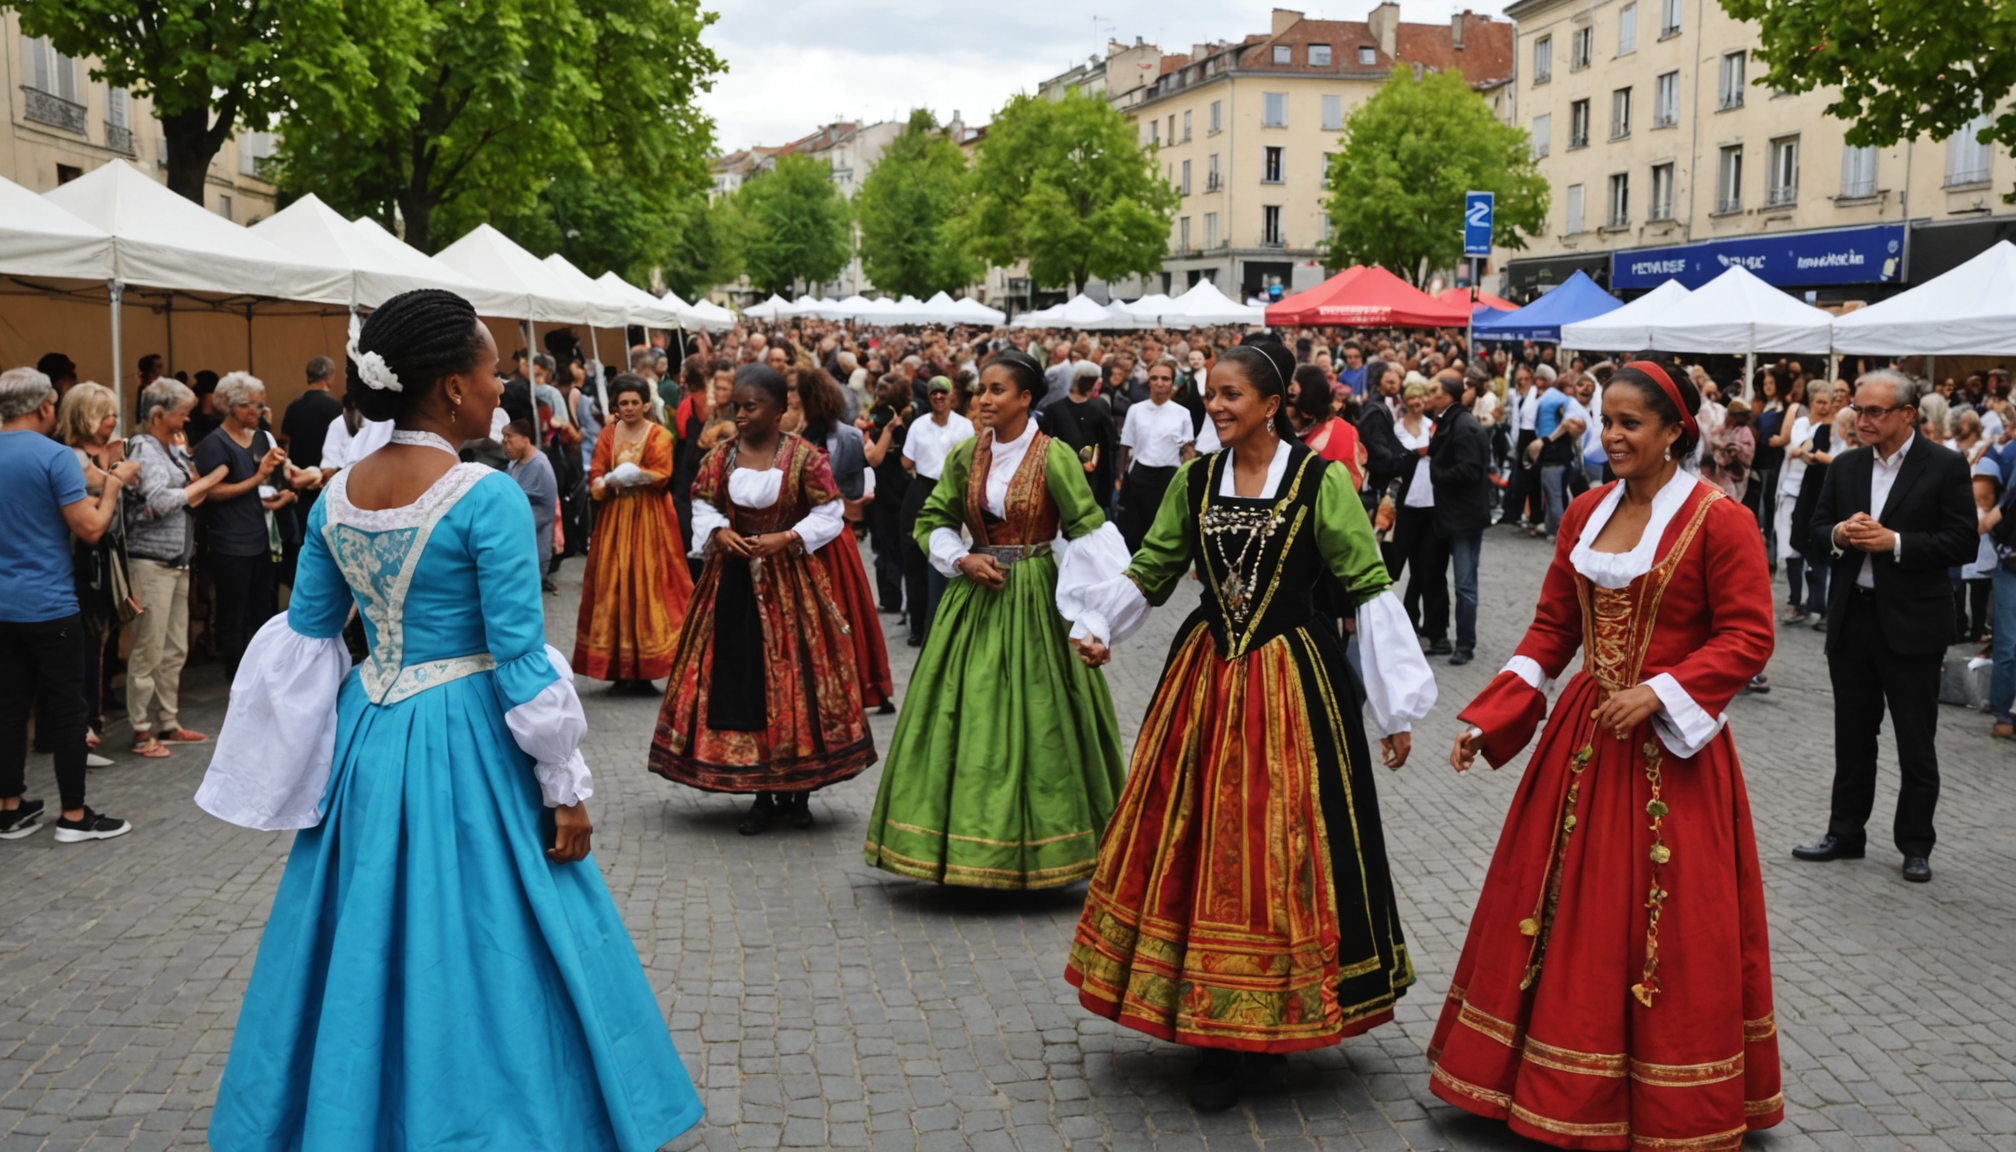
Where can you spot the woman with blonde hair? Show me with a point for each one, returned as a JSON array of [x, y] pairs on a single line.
[[86, 417]]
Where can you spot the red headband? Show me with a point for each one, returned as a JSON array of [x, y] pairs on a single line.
[[1666, 385]]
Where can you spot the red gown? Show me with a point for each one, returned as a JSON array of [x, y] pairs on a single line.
[[856, 600], [1615, 988]]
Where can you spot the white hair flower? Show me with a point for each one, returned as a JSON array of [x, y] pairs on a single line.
[[371, 367]]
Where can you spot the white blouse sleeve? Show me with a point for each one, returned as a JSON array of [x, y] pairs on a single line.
[[1398, 686], [947, 549], [821, 526], [1093, 591], [1683, 725], [706, 518], [272, 761], [549, 728]]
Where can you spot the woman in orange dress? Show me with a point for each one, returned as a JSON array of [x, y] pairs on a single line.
[[1615, 988], [634, 593]]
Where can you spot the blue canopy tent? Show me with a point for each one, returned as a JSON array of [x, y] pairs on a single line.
[[1577, 299]]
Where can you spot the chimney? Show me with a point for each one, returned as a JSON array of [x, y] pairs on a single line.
[[1456, 24], [1284, 19], [1384, 22]]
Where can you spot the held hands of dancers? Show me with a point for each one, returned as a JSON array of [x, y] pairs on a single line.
[[571, 832], [1395, 749], [1092, 652], [1464, 754]]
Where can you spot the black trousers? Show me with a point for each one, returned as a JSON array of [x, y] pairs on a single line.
[[916, 567], [244, 590], [1424, 557], [1868, 677], [1141, 495], [883, 516], [1526, 498], [43, 664]]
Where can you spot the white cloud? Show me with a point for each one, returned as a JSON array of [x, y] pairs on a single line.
[[796, 64]]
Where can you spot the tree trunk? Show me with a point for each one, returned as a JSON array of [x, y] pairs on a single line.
[[417, 211], [191, 147]]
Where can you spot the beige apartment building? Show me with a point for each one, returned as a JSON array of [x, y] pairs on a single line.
[[1245, 131], [61, 124], [1667, 158]]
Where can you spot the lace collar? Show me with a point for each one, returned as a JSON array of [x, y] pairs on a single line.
[[424, 440], [431, 505], [1617, 569]]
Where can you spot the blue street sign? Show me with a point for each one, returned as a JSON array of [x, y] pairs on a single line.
[[1477, 209]]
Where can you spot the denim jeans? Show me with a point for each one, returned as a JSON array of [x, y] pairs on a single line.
[[1463, 554], [1816, 586], [1554, 480], [2002, 681]]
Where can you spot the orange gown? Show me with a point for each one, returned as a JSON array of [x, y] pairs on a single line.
[[634, 594]]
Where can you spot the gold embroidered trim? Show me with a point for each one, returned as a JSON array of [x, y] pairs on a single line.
[[1648, 985], [979, 840], [1504, 1032], [1728, 1141], [1761, 1029], [1764, 1107], [1547, 1123], [1568, 1060], [1498, 1099], [1540, 925], [1687, 1075]]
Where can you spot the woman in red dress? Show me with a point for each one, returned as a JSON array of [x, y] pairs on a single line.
[[1615, 988], [824, 408]]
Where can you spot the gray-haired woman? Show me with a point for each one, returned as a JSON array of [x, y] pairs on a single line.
[[241, 538], [160, 543]]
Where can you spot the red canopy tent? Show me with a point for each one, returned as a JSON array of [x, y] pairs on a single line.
[[1484, 299], [1368, 297]]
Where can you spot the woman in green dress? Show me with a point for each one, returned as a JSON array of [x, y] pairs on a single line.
[[1006, 760]]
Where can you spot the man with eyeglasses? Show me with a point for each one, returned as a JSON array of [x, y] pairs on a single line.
[[1894, 516]]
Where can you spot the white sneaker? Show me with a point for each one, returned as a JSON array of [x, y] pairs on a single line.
[[93, 760]]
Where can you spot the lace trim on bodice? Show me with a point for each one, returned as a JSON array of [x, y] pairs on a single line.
[[378, 553], [423, 440], [1617, 622]]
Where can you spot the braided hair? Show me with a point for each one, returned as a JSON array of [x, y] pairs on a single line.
[[423, 335]]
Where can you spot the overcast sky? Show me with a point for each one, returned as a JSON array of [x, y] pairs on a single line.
[[796, 64]]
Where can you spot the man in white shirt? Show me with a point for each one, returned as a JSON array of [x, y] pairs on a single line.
[[1155, 439], [930, 440]]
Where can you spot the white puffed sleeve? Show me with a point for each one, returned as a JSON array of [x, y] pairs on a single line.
[[273, 757], [706, 518], [1093, 591], [1683, 725], [549, 728], [821, 526], [947, 549], [1398, 686]]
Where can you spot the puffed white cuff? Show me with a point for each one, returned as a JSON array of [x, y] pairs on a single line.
[[821, 526], [273, 757], [1093, 591], [549, 728], [706, 518], [1399, 688], [946, 551], [1683, 725]]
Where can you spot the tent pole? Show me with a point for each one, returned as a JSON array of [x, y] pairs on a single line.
[[248, 339], [115, 290], [1931, 369], [1749, 372], [601, 390]]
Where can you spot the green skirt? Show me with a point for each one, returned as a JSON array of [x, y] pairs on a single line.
[[1006, 762]]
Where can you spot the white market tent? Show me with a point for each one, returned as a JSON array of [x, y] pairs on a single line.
[[850, 308], [1083, 312], [1969, 310], [1205, 304], [1736, 311], [490, 257], [645, 309], [161, 240], [37, 238], [1149, 308], [941, 309], [1629, 327], [604, 310], [705, 314], [316, 233], [775, 308], [971, 311]]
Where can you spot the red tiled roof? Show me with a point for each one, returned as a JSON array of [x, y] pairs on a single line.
[[1486, 54]]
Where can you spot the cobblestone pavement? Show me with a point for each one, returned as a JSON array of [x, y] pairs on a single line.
[[821, 1003]]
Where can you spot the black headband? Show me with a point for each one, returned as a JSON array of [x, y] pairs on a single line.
[[1266, 359]]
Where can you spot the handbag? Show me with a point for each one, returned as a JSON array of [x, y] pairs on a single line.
[[127, 604]]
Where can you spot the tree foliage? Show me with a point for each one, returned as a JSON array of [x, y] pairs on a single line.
[[706, 245], [906, 207], [1899, 68], [793, 224], [1066, 185], [569, 124], [1409, 154], [209, 67]]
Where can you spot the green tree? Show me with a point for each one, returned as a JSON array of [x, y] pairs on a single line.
[[1408, 155], [794, 225], [906, 207], [705, 247], [570, 124], [1900, 69], [1065, 185], [209, 67]]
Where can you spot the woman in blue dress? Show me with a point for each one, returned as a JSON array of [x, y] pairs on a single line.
[[443, 967]]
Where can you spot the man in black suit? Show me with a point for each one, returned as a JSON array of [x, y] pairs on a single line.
[[1459, 466], [1895, 516], [1385, 459]]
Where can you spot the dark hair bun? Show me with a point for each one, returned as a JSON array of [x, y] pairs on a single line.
[[630, 382], [1023, 369], [765, 379], [423, 336]]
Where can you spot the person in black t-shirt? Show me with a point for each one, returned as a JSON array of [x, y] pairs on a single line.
[[303, 429], [1086, 424], [241, 545], [887, 425]]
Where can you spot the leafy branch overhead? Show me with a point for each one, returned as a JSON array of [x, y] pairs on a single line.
[[793, 225], [905, 209], [1409, 154], [1898, 69], [1066, 185]]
